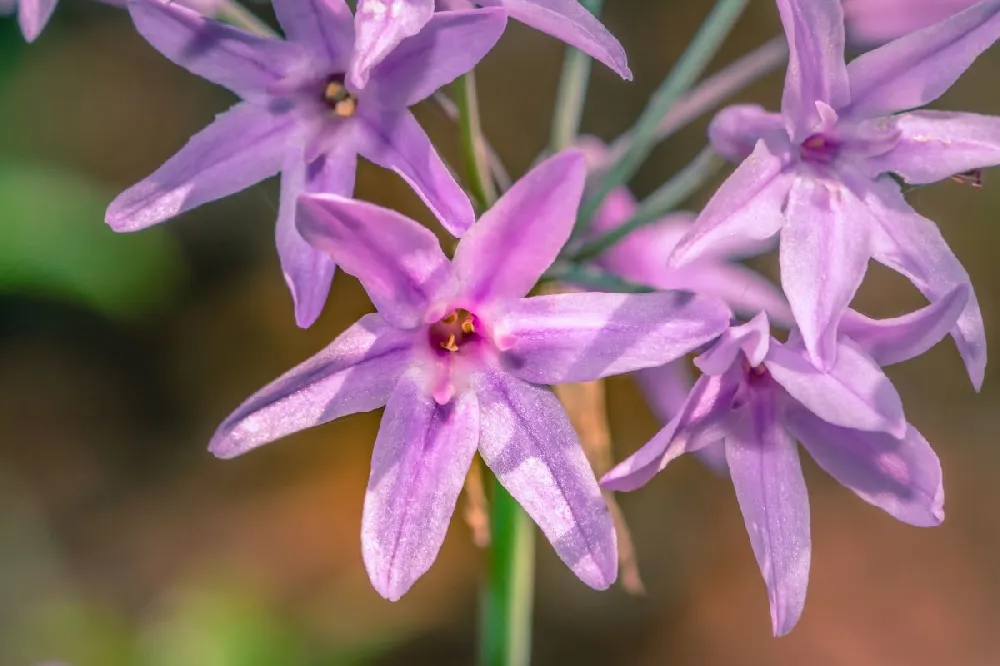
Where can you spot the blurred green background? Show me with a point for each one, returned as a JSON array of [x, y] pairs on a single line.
[[124, 542]]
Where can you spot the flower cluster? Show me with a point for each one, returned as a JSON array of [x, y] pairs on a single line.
[[461, 355]]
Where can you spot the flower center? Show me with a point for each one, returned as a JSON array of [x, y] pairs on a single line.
[[454, 331], [338, 98], [819, 148]]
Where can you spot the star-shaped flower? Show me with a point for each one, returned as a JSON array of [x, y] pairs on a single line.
[[382, 24], [819, 172], [299, 116], [758, 397], [460, 358]]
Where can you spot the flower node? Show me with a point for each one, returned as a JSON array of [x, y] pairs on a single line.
[[341, 101], [451, 333], [818, 148]]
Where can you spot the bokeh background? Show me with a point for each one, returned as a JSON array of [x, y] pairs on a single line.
[[124, 542]]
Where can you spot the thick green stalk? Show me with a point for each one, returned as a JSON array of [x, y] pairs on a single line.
[[572, 91], [692, 63]]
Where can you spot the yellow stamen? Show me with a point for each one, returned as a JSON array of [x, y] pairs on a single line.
[[450, 319], [450, 344], [468, 326], [346, 108]]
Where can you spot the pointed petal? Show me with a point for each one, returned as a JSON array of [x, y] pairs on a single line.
[[308, 271], [745, 210], [854, 393], [355, 373], [243, 62], [584, 336], [33, 15], [396, 141], [243, 146], [399, 262], [450, 45], [767, 476], [912, 245], [736, 129], [901, 476], [527, 440], [934, 145], [917, 68], [889, 341], [568, 21], [825, 247], [380, 25], [703, 420], [422, 455], [816, 69], [750, 341], [324, 27], [531, 221]]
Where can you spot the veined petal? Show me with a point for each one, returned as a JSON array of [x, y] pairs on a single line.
[[422, 454], [736, 129], [243, 62], [889, 341], [816, 69], [825, 247], [33, 15], [451, 44], [243, 146], [526, 439], [854, 393], [324, 27], [399, 262], [912, 245], [744, 290], [380, 25], [917, 68], [579, 337], [745, 210], [568, 21], [531, 221], [308, 271], [901, 476], [767, 476], [396, 141], [355, 373], [750, 340], [934, 145]]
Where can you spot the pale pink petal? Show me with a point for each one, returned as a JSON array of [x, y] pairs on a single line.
[[380, 25]]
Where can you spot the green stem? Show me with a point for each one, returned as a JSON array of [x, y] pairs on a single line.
[[665, 199], [692, 63], [572, 91], [509, 595], [233, 13], [471, 133]]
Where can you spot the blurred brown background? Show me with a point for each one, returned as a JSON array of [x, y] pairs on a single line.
[[123, 541]]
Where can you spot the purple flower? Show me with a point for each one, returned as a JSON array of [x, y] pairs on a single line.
[[819, 170], [457, 355], [878, 21], [759, 396], [300, 117], [32, 15], [382, 24]]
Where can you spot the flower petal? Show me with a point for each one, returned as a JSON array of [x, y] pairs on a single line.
[[324, 27], [527, 440], [380, 25], [666, 388], [33, 15], [767, 476], [579, 337], [531, 221], [243, 146], [916, 69], [901, 476], [308, 271], [396, 141], [744, 211], [451, 44], [854, 393], [912, 245], [744, 290], [825, 247], [736, 129], [750, 341], [399, 262], [889, 341], [816, 69], [934, 145], [569, 22], [422, 454], [355, 373], [243, 62]]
